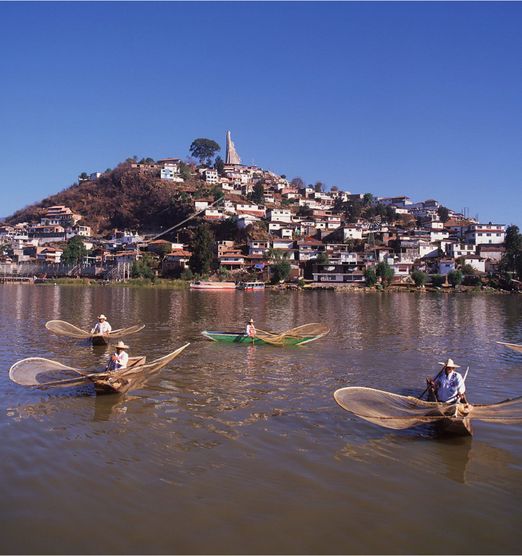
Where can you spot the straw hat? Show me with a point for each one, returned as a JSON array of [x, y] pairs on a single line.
[[251, 321], [121, 345], [450, 364], [102, 316]]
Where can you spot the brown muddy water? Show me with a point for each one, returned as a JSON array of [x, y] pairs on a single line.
[[241, 449]]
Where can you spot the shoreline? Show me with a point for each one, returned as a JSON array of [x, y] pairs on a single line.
[[162, 283]]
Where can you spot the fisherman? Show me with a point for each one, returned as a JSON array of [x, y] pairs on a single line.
[[102, 326], [251, 329], [448, 386], [119, 359]]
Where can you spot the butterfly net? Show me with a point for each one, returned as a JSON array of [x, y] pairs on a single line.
[[138, 373], [311, 330], [37, 371], [394, 411], [515, 347], [64, 328]]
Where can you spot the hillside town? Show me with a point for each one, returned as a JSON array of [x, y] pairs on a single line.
[[261, 226]]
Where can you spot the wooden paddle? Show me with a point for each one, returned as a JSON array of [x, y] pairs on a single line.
[[438, 374], [429, 385]]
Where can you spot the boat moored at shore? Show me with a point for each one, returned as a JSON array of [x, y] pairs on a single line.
[[202, 285]]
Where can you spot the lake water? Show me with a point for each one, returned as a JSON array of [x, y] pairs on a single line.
[[242, 449]]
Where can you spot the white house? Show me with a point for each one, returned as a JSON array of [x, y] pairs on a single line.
[[171, 173], [352, 232], [476, 262], [280, 215], [211, 176], [485, 233]]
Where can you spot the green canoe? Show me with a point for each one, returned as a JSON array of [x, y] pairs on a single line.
[[239, 338]]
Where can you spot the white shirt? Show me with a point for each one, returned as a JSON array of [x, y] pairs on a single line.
[[102, 327], [450, 386], [250, 330], [121, 361]]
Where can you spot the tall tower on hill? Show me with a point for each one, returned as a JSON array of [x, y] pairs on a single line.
[[232, 156]]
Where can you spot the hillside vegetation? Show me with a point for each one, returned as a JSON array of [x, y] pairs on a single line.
[[121, 198]]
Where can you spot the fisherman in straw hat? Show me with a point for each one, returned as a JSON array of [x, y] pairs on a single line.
[[120, 358], [102, 326], [448, 386], [251, 329]]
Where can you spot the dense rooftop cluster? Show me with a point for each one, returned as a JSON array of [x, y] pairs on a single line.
[[238, 221]]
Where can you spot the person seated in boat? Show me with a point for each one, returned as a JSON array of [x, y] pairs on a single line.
[[251, 329], [102, 326], [119, 359], [449, 385]]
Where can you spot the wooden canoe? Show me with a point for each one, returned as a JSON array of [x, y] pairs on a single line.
[[120, 382], [240, 338], [133, 376], [394, 411], [100, 339]]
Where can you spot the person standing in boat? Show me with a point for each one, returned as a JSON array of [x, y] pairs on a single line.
[[448, 386], [251, 329], [102, 326], [119, 359]]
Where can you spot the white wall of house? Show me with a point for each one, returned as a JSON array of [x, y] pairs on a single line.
[[170, 174], [485, 233], [352, 232], [280, 215], [477, 263]]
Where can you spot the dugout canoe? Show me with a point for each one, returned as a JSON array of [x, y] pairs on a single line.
[[394, 411], [240, 338], [44, 373]]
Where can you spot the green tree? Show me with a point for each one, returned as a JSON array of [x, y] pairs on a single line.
[[468, 270], [319, 187], [185, 171], [142, 268], [512, 259], [437, 280], [280, 270], [219, 165], [385, 272], [322, 258], [202, 247], [367, 199], [455, 278], [258, 193], [187, 274], [443, 213], [223, 274], [204, 149], [74, 251], [419, 277], [83, 176], [298, 183], [370, 277], [513, 240]]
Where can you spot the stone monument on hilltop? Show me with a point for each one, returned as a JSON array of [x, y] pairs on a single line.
[[232, 156]]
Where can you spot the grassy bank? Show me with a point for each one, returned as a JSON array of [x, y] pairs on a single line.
[[132, 283]]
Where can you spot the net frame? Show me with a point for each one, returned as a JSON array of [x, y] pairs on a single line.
[[395, 411], [33, 370], [64, 328]]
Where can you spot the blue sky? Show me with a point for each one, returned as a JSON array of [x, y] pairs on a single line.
[[421, 99]]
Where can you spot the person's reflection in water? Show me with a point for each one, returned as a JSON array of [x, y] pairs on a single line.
[[251, 359], [109, 406]]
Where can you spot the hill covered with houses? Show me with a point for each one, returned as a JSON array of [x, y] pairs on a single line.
[[175, 217]]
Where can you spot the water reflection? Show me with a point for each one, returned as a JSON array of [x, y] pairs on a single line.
[[227, 433]]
